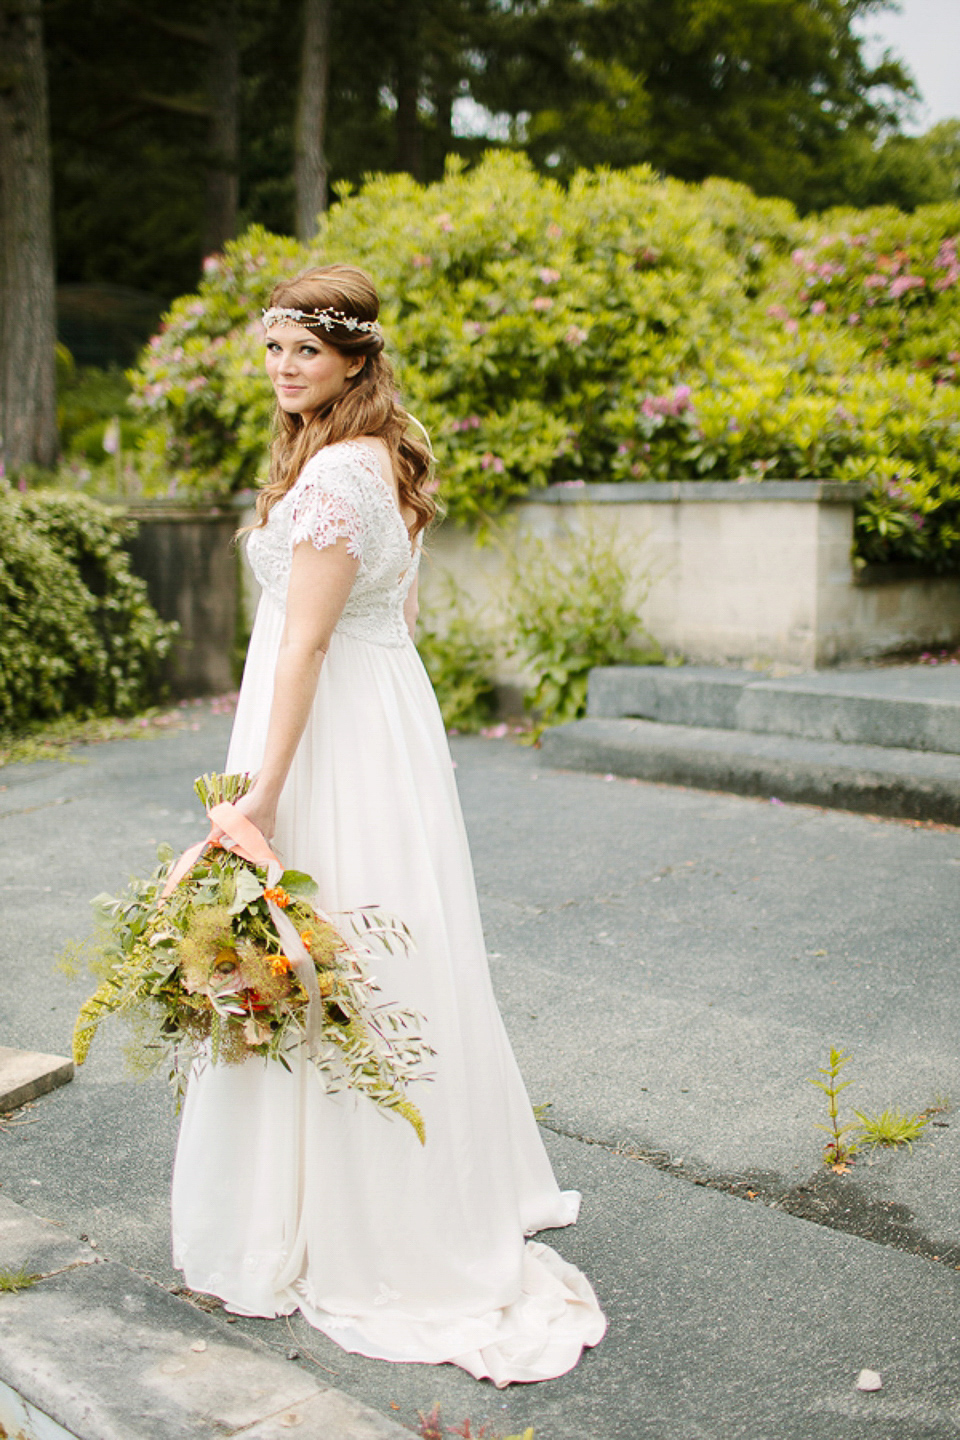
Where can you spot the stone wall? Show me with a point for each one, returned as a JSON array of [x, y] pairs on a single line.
[[738, 573], [189, 562]]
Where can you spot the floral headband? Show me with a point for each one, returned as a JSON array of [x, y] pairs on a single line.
[[281, 315]]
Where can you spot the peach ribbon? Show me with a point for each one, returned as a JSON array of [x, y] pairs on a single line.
[[233, 831]]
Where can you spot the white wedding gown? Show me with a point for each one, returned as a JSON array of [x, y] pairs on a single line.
[[285, 1197]]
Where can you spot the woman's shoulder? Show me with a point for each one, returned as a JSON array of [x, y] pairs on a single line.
[[348, 460]]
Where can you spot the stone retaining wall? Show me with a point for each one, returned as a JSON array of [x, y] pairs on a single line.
[[188, 560], [758, 573]]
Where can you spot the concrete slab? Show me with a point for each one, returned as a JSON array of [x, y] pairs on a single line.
[[106, 1354], [682, 695], [728, 1321], [37, 1246], [877, 780], [911, 707], [25, 1074], [672, 965]]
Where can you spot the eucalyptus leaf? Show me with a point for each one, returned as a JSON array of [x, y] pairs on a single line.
[[247, 891]]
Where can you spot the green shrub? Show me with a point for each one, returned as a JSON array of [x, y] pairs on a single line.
[[573, 605], [460, 658], [88, 400], [624, 328], [521, 314], [77, 634]]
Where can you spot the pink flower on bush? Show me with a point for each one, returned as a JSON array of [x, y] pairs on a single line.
[[199, 382], [668, 405], [211, 264], [853, 319], [471, 422], [903, 284], [477, 328], [778, 312], [421, 262], [575, 336], [819, 307], [875, 282], [445, 223], [489, 461], [791, 327], [543, 302], [548, 277]]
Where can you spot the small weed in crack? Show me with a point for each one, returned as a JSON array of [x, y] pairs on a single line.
[[13, 1281]]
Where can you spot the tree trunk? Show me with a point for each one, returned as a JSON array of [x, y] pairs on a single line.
[[223, 93], [409, 138], [28, 391], [310, 164]]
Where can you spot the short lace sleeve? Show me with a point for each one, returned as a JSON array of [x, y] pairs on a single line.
[[326, 506]]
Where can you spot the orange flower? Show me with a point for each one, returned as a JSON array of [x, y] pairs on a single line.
[[307, 937], [278, 895], [279, 964]]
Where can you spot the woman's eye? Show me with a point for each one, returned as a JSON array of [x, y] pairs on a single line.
[[309, 350]]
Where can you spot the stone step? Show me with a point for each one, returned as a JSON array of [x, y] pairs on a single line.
[[26, 1074], [875, 779], [94, 1351], [915, 707]]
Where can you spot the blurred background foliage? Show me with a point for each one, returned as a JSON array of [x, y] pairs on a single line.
[[599, 298], [776, 94], [622, 327]]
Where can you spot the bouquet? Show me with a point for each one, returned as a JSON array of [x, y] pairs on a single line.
[[221, 956]]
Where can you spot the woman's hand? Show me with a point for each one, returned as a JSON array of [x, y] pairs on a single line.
[[259, 807]]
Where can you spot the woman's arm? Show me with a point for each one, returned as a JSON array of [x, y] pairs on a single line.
[[320, 582]]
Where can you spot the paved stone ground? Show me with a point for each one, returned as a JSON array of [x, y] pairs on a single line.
[[672, 964]]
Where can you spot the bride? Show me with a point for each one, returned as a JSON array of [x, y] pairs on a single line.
[[285, 1197]]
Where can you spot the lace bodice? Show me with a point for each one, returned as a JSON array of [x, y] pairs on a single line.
[[341, 492]]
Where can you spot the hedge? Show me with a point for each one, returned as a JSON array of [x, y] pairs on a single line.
[[626, 327], [77, 633]]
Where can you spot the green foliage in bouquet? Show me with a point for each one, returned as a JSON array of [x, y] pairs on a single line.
[[201, 976], [626, 327], [77, 632]]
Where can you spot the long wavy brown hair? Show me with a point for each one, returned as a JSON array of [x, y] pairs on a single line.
[[367, 406]]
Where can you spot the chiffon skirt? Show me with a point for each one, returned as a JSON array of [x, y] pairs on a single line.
[[286, 1197]]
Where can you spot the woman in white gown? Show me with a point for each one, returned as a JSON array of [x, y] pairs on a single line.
[[285, 1197]]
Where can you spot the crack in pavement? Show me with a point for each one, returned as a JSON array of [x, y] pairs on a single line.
[[825, 1198]]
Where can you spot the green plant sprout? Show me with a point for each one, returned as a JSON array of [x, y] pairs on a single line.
[[13, 1281], [838, 1151], [892, 1127]]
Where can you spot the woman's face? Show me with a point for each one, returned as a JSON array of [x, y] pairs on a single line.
[[306, 373]]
